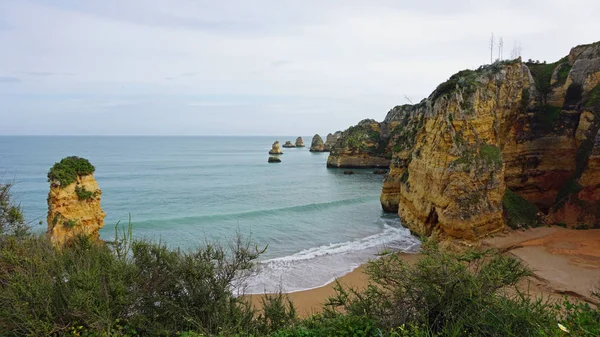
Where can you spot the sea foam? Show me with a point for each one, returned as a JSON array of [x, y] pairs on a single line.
[[315, 267]]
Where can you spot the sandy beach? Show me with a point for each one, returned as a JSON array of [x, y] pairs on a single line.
[[565, 262]]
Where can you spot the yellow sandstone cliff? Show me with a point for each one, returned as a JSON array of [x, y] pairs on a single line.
[[73, 201], [510, 143]]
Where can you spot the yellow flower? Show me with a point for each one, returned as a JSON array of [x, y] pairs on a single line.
[[562, 327]]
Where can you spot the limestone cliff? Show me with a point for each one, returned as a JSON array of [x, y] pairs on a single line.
[[317, 144], [331, 139], [73, 201], [485, 138]]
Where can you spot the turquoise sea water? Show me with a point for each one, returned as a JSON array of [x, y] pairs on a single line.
[[318, 223]]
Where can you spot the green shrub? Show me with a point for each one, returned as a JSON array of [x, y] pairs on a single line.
[[83, 194], [581, 319], [12, 221], [563, 73], [67, 170], [542, 75], [70, 223], [518, 212], [130, 288], [593, 99], [491, 154], [447, 294]]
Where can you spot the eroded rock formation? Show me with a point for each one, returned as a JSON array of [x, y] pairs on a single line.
[[508, 143], [299, 142], [288, 144], [276, 148], [274, 159], [332, 139], [73, 201], [317, 144]]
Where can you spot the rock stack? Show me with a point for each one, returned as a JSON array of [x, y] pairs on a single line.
[[276, 148], [299, 142], [73, 201], [331, 139], [317, 144], [288, 144], [274, 159]]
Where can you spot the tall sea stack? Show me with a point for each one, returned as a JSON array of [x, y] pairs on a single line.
[[73, 201]]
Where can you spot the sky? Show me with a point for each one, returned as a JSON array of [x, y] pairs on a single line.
[[263, 67]]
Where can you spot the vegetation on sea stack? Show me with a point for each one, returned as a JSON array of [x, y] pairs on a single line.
[[67, 170]]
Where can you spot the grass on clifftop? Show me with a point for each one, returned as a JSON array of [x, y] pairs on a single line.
[[67, 170], [518, 212]]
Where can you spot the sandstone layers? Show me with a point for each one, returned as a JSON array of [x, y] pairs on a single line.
[[508, 143], [73, 201]]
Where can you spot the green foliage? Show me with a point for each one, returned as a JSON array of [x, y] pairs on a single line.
[[547, 115], [486, 156], [84, 194], [278, 312], [132, 288], [11, 216], [70, 223], [446, 294], [593, 99], [463, 79], [542, 75], [518, 212], [67, 170], [563, 73], [491, 154], [580, 319], [373, 135]]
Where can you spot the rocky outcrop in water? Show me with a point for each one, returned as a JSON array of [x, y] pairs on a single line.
[[288, 144], [507, 144], [332, 139], [73, 201], [299, 142], [274, 159], [276, 148], [317, 144]]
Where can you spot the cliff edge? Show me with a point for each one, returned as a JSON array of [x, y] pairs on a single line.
[[510, 143]]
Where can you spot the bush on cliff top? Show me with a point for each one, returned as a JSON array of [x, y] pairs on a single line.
[[67, 170], [11, 216]]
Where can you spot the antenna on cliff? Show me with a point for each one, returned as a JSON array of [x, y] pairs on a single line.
[[408, 99], [492, 49]]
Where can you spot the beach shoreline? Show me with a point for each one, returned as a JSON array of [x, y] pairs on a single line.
[[574, 253]]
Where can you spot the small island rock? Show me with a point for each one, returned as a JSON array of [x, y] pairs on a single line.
[[288, 144], [274, 159], [276, 149], [299, 142], [317, 144]]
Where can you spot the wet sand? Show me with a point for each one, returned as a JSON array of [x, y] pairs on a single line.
[[565, 262]]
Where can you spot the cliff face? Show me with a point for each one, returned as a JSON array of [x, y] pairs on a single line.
[[485, 137], [331, 139], [73, 205]]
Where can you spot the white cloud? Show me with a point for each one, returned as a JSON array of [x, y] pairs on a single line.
[[346, 60]]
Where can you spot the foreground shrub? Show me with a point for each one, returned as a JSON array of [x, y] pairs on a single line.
[[135, 287], [447, 294], [11, 216]]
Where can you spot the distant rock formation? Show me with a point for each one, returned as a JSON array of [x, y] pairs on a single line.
[[288, 144], [276, 149], [299, 142], [274, 159], [380, 172], [332, 138], [365, 145], [317, 144], [348, 172], [73, 201]]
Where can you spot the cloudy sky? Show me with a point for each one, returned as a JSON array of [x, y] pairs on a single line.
[[271, 67]]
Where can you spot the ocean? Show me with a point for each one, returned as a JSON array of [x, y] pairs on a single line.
[[317, 223]]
